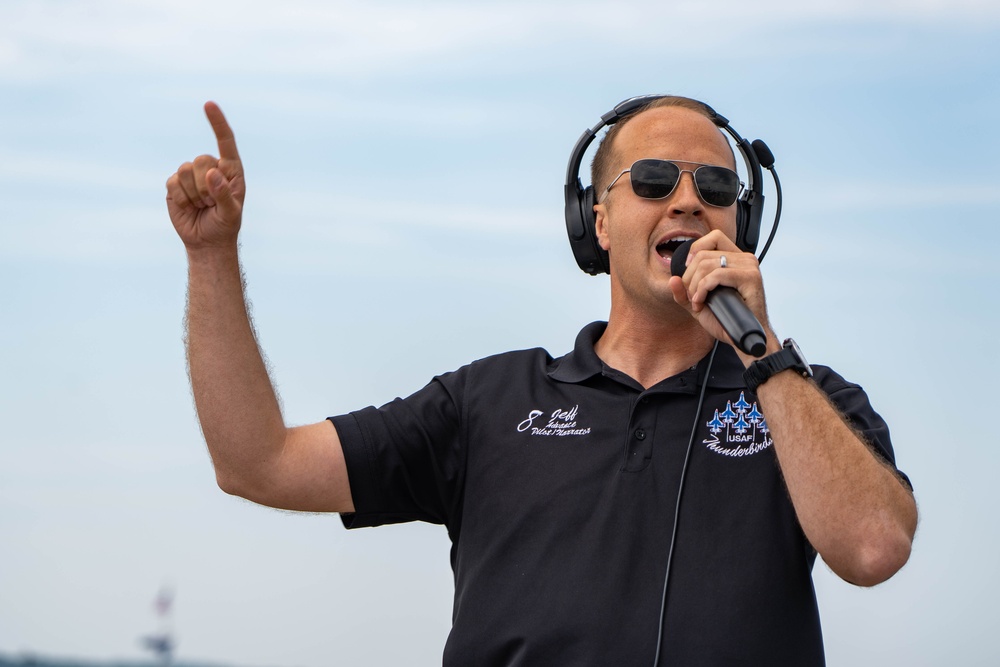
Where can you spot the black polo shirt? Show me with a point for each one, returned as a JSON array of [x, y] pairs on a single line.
[[557, 480]]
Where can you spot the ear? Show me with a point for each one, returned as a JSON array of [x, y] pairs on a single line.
[[601, 226]]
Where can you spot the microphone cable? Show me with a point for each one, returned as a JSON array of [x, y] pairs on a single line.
[[677, 506], [694, 429], [777, 212]]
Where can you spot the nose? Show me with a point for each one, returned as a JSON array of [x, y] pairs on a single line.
[[684, 200]]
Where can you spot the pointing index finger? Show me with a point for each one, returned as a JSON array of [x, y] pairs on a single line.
[[223, 133]]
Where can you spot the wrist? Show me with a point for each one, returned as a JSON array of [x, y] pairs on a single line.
[[788, 358], [212, 255]]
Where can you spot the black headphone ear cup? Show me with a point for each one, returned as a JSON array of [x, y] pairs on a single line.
[[742, 220], [748, 214], [601, 260], [581, 226]]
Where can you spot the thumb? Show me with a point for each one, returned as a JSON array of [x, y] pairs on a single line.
[[222, 193]]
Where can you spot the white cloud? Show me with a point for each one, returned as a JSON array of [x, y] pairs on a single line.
[[436, 214], [353, 40], [349, 39], [137, 232], [51, 171], [869, 196]]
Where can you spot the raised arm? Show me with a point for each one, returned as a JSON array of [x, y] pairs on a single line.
[[853, 507], [255, 455]]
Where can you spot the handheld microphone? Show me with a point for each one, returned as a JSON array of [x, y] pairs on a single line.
[[729, 308]]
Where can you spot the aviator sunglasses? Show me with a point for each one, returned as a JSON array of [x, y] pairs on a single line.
[[656, 179]]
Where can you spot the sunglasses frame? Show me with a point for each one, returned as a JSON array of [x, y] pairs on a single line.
[[676, 163]]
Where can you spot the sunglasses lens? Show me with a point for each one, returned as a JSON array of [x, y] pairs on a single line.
[[654, 179], [718, 186]]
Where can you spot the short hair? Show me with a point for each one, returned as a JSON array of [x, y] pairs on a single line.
[[603, 163]]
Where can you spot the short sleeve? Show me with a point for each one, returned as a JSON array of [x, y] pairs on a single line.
[[405, 460], [853, 403]]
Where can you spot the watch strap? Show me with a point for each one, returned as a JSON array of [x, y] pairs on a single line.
[[787, 357]]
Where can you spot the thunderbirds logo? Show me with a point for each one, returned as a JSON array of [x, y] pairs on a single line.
[[739, 430]]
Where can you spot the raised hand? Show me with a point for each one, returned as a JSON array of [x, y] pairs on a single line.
[[205, 197]]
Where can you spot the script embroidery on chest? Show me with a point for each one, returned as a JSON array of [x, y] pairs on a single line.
[[560, 423]]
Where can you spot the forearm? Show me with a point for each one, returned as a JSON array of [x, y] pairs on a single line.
[[852, 506], [237, 406], [255, 456]]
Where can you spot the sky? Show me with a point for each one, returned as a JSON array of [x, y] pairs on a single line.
[[405, 164]]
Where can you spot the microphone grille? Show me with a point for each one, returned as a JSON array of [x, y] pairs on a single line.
[[678, 259]]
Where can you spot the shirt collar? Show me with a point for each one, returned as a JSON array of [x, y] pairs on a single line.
[[583, 363]]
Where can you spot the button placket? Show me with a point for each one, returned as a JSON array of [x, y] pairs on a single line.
[[639, 441]]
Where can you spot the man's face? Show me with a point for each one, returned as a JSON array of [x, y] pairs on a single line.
[[640, 234]]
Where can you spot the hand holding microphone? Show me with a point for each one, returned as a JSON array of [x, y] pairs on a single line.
[[728, 307]]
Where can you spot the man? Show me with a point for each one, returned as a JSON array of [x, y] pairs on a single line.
[[586, 529]]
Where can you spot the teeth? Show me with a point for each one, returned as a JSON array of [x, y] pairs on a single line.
[[674, 242]]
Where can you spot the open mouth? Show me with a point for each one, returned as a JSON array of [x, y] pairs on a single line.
[[667, 248]]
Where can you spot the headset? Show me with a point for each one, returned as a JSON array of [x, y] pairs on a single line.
[[580, 218]]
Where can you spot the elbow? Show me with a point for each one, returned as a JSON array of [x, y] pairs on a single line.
[[879, 561], [876, 557], [257, 488], [881, 547], [230, 483], [241, 481], [248, 474]]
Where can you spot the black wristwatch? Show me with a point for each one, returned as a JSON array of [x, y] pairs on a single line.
[[790, 356]]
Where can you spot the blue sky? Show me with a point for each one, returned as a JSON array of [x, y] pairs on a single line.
[[882, 118]]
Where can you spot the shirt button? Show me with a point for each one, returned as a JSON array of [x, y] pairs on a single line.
[[640, 434]]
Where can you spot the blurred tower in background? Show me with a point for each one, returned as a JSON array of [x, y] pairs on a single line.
[[162, 643]]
